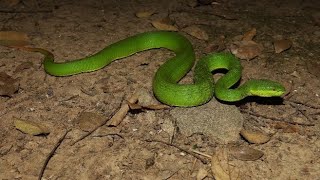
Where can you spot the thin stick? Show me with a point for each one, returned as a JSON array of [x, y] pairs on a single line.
[[52, 153], [181, 149], [274, 119], [90, 132]]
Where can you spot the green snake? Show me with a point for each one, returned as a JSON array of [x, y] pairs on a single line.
[[166, 85]]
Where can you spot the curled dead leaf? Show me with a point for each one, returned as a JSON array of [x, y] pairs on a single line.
[[134, 106], [13, 38], [122, 112], [248, 36], [246, 49], [8, 85], [245, 153], [89, 120], [196, 32], [31, 128], [23, 66], [281, 45], [164, 24], [220, 168], [202, 173], [144, 14], [254, 136], [287, 128]]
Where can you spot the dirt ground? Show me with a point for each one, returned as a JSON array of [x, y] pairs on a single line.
[[147, 144]]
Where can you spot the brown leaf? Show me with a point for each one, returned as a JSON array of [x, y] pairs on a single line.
[[281, 45], [134, 106], [29, 127], [246, 153], [164, 24], [246, 49], [23, 66], [196, 32], [202, 173], [254, 136], [13, 38], [8, 85], [220, 168], [144, 14], [248, 36], [122, 112], [89, 120]]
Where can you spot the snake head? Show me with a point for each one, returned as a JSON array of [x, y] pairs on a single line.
[[265, 88]]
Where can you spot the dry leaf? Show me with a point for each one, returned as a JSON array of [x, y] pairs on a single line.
[[246, 49], [254, 136], [222, 12], [23, 66], [292, 129], [287, 128], [202, 173], [220, 168], [89, 120], [282, 45], [217, 46], [122, 112], [164, 24], [144, 14], [8, 85], [134, 106], [245, 153], [29, 127], [248, 36], [196, 32], [13, 38]]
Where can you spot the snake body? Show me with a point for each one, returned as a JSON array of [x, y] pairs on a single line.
[[165, 82]]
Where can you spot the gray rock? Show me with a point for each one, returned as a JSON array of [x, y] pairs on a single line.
[[222, 122]]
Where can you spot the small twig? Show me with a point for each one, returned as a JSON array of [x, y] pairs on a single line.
[[301, 111], [201, 153], [304, 104], [274, 119], [171, 175], [109, 134], [52, 153], [181, 149], [114, 119], [122, 112]]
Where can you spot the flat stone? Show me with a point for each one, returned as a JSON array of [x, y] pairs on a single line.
[[222, 122]]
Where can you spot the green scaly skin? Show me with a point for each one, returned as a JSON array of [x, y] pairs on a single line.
[[165, 82]]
